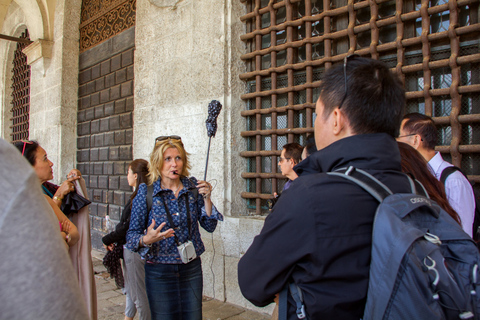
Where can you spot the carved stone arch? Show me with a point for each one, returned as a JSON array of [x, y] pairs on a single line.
[[6, 77], [36, 18]]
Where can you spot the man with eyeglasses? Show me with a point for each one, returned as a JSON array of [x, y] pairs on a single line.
[[420, 132], [319, 234], [291, 155]]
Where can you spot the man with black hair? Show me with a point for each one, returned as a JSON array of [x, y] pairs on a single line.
[[319, 235], [291, 155], [420, 132]]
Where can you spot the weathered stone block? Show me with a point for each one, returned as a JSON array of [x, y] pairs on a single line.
[[113, 182], [85, 76], [104, 125], [94, 154], [81, 116], [104, 95], [99, 111], [83, 155], [98, 140], [103, 183], [114, 123], [93, 183], [116, 62], [105, 68], [119, 137], [127, 58], [125, 152], [110, 80], [95, 99], [102, 209], [83, 142], [114, 211], [114, 153], [129, 136], [126, 120], [95, 126], [130, 73], [93, 211], [119, 198], [108, 194], [129, 104], [82, 90], [120, 106], [95, 71], [115, 92], [119, 168], [109, 139], [127, 88], [90, 87], [83, 128], [85, 102], [103, 154], [109, 109], [97, 168], [121, 76], [108, 168], [90, 114]]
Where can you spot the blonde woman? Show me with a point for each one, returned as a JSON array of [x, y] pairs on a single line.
[[171, 244]]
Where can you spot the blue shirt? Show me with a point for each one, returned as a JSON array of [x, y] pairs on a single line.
[[165, 251]]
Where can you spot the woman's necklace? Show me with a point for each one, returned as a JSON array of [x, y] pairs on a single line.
[[175, 192]]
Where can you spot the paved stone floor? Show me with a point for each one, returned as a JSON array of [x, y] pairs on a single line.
[[111, 301]]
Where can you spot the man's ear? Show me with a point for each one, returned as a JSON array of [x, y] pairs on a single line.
[[417, 141], [340, 123]]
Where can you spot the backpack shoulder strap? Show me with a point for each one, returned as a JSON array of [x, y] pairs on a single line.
[[149, 203], [365, 180], [447, 172]]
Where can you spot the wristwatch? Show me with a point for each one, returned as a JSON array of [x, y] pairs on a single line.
[[57, 198]]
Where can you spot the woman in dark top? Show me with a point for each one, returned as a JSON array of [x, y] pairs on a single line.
[[415, 164], [133, 264]]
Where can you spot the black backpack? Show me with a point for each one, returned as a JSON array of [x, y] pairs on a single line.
[[476, 220], [423, 265]]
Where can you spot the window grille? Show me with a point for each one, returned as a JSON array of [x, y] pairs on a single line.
[[431, 45], [20, 93]]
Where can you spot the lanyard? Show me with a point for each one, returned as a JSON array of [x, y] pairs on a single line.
[[170, 220]]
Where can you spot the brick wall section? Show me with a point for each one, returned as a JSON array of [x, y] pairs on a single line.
[[105, 128]]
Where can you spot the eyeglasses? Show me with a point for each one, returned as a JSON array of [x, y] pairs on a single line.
[[25, 142], [282, 159], [407, 135], [345, 61]]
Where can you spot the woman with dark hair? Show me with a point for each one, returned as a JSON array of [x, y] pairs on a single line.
[[42, 166], [77, 228], [171, 243], [415, 164], [133, 265]]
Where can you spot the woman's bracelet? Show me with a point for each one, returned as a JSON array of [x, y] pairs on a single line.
[[144, 244], [57, 198]]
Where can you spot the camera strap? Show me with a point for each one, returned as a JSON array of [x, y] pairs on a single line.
[[170, 219]]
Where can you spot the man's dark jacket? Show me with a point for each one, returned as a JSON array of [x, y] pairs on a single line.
[[320, 231]]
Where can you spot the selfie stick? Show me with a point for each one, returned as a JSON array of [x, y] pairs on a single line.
[[214, 108]]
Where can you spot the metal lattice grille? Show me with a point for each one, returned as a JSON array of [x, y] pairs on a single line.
[[21, 93], [431, 45]]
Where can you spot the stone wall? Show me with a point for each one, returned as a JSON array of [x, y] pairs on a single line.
[[105, 127]]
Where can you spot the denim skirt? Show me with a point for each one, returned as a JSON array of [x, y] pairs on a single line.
[[175, 290]]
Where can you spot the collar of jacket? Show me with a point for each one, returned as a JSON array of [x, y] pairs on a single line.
[[377, 151]]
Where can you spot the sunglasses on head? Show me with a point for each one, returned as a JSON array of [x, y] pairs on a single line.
[[345, 61], [25, 142], [163, 138]]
